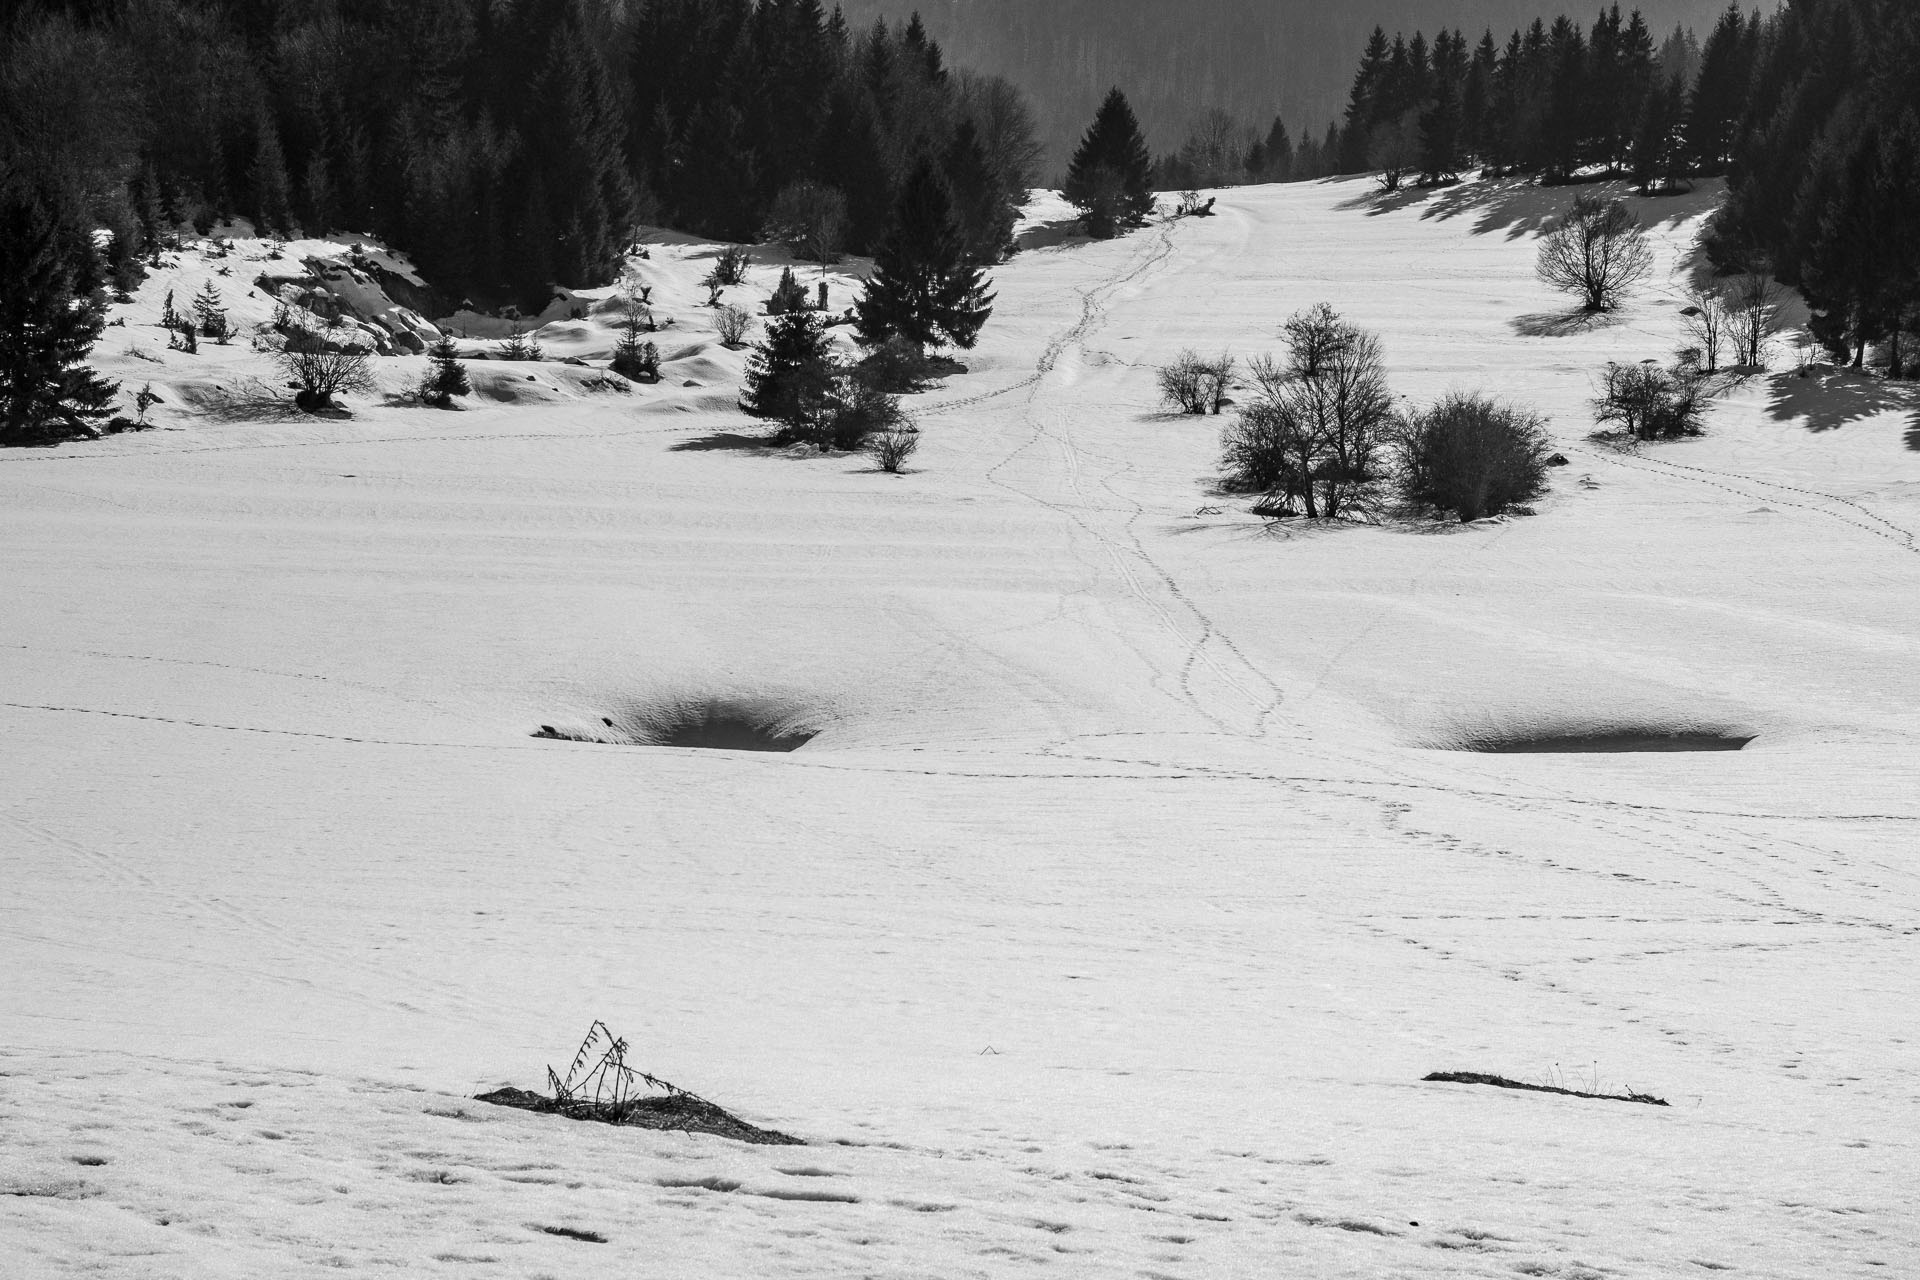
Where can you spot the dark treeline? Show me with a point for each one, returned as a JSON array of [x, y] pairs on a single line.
[[506, 144], [1812, 114], [1554, 99]]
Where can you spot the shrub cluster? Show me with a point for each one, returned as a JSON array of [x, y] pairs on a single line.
[[1472, 456], [1652, 403], [1194, 385]]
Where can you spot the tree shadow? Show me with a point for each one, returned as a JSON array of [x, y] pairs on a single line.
[[1562, 324], [251, 400], [1827, 402], [1520, 206], [1049, 235], [1379, 201], [725, 440]]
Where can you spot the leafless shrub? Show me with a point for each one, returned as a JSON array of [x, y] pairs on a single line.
[[732, 324], [1473, 456], [319, 373], [1652, 403], [1597, 251], [1195, 385], [891, 449]]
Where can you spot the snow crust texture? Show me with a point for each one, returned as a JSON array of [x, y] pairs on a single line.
[[1141, 864]]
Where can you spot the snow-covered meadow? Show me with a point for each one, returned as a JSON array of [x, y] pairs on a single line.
[[1139, 870]]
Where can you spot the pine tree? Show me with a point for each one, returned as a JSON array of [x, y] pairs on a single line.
[[1276, 153], [46, 329], [981, 210], [446, 375], [1842, 276], [923, 288], [852, 160], [1110, 178], [1720, 92], [268, 190], [1655, 159], [1365, 102], [1440, 129], [209, 316], [791, 372]]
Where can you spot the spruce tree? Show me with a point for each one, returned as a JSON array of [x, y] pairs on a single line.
[[209, 316], [1110, 178], [446, 375], [923, 288], [1440, 129], [790, 374], [981, 210], [46, 328], [1841, 274], [1720, 92]]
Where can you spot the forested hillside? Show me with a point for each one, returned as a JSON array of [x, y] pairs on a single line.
[[1252, 58], [505, 145]]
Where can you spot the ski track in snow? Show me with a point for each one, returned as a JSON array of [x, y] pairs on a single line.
[[1111, 922]]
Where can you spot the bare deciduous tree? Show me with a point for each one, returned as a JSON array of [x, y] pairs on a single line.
[[1312, 440], [1598, 251], [1215, 152], [1706, 321], [810, 218], [1753, 307], [1395, 150]]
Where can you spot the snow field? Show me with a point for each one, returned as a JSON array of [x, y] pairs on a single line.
[[1146, 796]]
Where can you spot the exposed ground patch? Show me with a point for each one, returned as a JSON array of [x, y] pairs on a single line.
[[1501, 1082], [714, 723]]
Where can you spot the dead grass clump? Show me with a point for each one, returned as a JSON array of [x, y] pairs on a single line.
[[599, 1085]]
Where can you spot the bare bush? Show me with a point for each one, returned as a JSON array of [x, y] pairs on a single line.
[[1652, 403], [1473, 456], [1598, 251], [732, 324], [810, 218], [891, 449], [1195, 385], [1182, 383], [319, 374], [1311, 442]]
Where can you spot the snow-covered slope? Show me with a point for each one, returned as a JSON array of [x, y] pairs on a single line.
[[1131, 884]]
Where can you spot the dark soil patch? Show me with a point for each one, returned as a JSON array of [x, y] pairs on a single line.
[[681, 1112], [1501, 1082], [1604, 743]]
